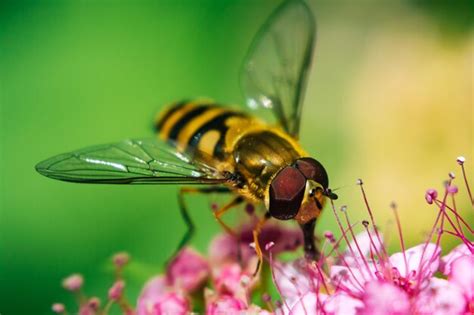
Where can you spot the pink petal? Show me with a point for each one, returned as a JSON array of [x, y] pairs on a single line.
[[153, 291], [352, 279], [439, 298], [225, 304], [188, 270], [170, 303], [228, 279], [418, 257], [341, 303], [307, 304], [293, 280], [363, 240], [462, 275], [446, 261], [224, 248], [383, 298]]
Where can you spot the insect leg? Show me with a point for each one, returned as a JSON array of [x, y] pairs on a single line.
[[310, 250], [217, 214], [256, 232], [184, 210]]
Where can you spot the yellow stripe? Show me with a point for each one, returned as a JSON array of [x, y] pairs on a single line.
[[171, 121], [187, 132]]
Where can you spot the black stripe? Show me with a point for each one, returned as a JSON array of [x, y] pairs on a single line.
[[168, 114], [183, 121], [217, 123]]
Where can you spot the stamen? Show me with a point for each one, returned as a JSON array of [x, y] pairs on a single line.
[[362, 256], [344, 235], [277, 286], [461, 161], [385, 257], [430, 236], [455, 213], [377, 253], [393, 205]]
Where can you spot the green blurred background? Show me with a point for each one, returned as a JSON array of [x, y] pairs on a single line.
[[389, 100]]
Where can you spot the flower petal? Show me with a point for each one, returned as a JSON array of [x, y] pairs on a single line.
[[342, 303], [439, 298], [462, 275], [363, 241], [383, 298], [225, 304], [447, 260], [188, 270], [423, 257], [293, 280]]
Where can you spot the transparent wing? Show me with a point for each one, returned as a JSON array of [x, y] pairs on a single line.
[[275, 70], [144, 161]]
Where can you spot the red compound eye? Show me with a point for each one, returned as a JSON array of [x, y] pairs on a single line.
[[313, 170], [286, 193]]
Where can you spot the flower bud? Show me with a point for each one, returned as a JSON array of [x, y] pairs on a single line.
[[58, 308], [116, 291], [431, 195], [121, 259], [73, 282]]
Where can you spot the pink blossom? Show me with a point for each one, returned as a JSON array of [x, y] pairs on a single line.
[[170, 303], [293, 280], [157, 298], [383, 298], [121, 259], [462, 276], [226, 248], [116, 291], [228, 279], [73, 282], [439, 298], [342, 303], [188, 270], [58, 308], [447, 260], [224, 304]]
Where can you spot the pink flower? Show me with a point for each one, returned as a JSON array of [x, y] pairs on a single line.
[[228, 279], [171, 303], [156, 299], [226, 248], [58, 308], [116, 291], [73, 282], [382, 298], [440, 298], [121, 259], [457, 252], [293, 280], [188, 270], [462, 276], [224, 304], [342, 303]]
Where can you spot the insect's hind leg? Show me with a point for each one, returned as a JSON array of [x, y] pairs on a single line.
[[185, 213]]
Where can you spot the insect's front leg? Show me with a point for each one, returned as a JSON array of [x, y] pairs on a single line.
[[185, 213], [310, 249]]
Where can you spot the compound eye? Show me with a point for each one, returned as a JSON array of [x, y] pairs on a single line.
[[286, 193], [313, 170]]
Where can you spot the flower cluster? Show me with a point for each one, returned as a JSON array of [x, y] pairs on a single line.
[[358, 278], [365, 279]]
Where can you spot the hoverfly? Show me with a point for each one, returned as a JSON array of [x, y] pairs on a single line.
[[226, 149]]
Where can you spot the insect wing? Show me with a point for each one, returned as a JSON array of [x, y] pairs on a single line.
[[275, 70], [144, 161]]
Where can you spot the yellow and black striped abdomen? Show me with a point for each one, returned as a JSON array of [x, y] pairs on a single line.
[[199, 127]]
